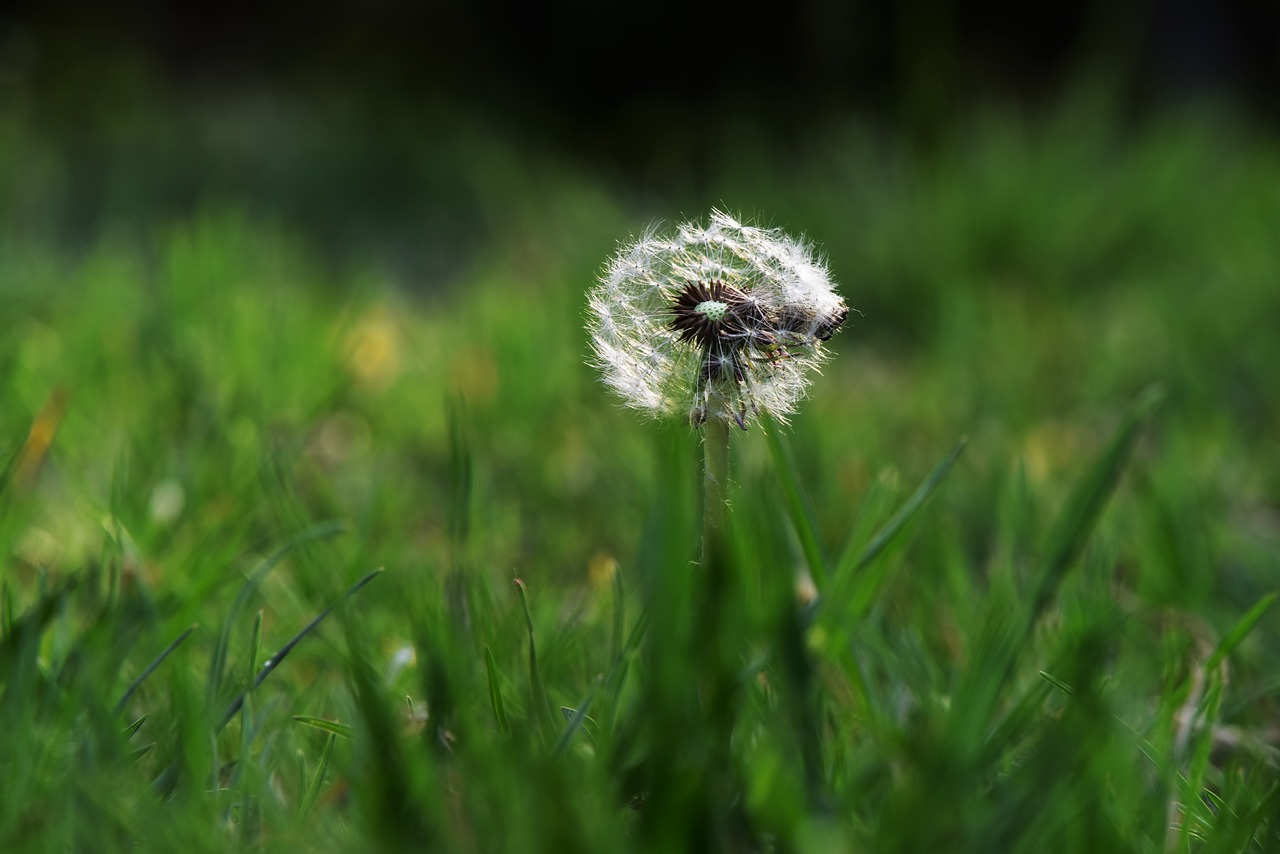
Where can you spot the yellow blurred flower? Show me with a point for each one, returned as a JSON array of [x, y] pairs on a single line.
[[374, 353]]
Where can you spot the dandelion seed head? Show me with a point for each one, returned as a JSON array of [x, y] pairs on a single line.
[[719, 320]]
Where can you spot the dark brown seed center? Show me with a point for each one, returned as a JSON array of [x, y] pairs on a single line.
[[713, 314]]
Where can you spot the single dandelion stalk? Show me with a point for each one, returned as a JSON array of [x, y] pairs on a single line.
[[718, 324]]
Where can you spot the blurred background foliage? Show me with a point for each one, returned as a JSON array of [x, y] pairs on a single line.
[[234, 229], [251, 260], [227, 226]]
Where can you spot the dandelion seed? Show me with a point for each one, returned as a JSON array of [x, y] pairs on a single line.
[[721, 321]]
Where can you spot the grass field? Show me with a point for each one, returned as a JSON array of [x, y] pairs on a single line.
[[1004, 584]]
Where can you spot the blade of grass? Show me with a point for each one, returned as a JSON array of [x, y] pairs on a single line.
[[151, 668], [1004, 637], [24, 633], [246, 718], [904, 514], [617, 673], [218, 661], [1243, 627], [331, 727], [495, 693], [243, 772], [1193, 784], [796, 680], [1056, 682], [1087, 500], [275, 661], [133, 728], [873, 506], [619, 616], [542, 706], [255, 642], [313, 791], [1244, 698], [576, 718], [798, 506], [638, 631], [1236, 831], [142, 751], [1023, 714], [854, 597], [393, 811]]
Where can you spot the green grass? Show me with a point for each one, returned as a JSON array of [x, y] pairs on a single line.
[[1035, 495]]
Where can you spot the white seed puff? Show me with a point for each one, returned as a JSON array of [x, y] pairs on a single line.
[[722, 320]]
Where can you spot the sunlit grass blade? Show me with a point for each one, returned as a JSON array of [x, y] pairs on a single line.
[[151, 668], [317, 781], [799, 508], [495, 692], [1236, 831], [332, 727], [218, 660], [270, 665], [1056, 682], [1194, 784]]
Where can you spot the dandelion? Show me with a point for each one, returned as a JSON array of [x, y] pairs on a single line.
[[721, 322]]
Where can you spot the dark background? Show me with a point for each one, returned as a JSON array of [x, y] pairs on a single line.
[[371, 123], [580, 71]]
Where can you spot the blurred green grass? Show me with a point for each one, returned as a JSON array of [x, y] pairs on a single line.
[[223, 379]]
